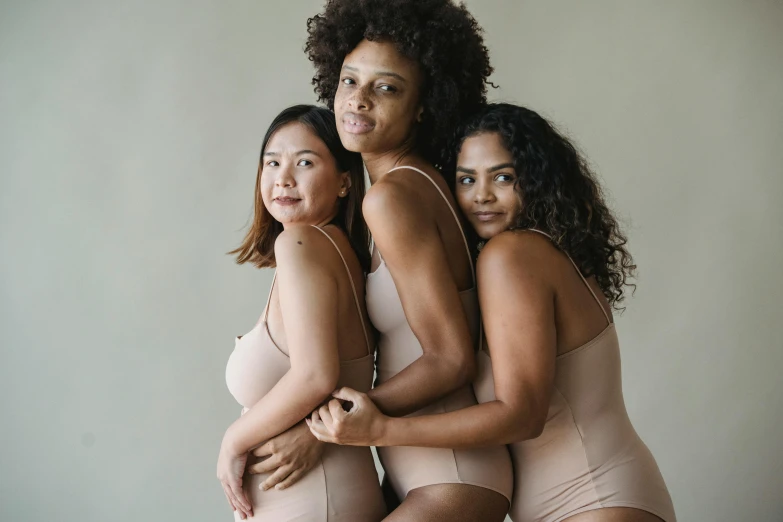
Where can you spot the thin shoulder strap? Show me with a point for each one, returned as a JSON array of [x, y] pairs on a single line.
[[353, 287], [269, 299], [608, 320], [453, 213]]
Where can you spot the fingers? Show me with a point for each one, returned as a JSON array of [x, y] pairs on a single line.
[[336, 410], [276, 478], [349, 394], [318, 429], [326, 416], [240, 499], [292, 479], [228, 497], [266, 465], [264, 450], [235, 505]]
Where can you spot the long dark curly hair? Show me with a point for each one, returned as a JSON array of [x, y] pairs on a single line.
[[442, 37], [560, 194]]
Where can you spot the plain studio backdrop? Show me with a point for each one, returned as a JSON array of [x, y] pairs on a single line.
[[129, 140]]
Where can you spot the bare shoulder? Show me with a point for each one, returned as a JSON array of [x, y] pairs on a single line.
[[393, 196], [518, 254], [305, 245]]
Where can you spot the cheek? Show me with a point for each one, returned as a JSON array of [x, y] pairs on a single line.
[[321, 187], [464, 199], [511, 201], [267, 185], [338, 102]]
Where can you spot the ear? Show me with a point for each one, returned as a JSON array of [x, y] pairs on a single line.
[[420, 115], [345, 185]]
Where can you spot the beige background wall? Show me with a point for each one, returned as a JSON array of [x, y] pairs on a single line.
[[128, 144]]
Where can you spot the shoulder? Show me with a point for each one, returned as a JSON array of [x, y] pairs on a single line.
[[398, 194], [518, 253], [303, 244]]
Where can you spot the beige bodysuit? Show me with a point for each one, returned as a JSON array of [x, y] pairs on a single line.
[[589, 455], [413, 467], [344, 487]]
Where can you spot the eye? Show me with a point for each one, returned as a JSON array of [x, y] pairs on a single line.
[[272, 163], [304, 163], [348, 81], [466, 180], [504, 178], [388, 88]]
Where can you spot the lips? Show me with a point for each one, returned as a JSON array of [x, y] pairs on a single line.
[[286, 201], [486, 215], [356, 123]]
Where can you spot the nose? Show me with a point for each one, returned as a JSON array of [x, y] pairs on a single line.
[[359, 100], [483, 193], [285, 177]]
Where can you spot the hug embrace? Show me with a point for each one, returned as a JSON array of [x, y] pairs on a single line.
[[476, 279]]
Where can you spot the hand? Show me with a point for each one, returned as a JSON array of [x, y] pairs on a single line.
[[230, 469], [362, 425], [291, 455]]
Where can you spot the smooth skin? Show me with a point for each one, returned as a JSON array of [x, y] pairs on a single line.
[[534, 308], [300, 186], [377, 110]]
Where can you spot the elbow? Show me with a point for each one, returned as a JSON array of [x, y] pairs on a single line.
[[320, 384], [534, 422], [535, 428], [525, 426], [463, 370]]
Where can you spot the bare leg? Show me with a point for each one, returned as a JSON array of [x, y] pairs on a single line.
[[451, 503], [618, 514]]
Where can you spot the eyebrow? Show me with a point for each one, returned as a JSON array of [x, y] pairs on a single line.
[[491, 169], [299, 153], [379, 73]]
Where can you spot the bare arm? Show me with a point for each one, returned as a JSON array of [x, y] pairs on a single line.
[[518, 310], [307, 301], [412, 249]]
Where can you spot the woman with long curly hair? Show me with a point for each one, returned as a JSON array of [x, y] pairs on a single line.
[[552, 268], [399, 77]]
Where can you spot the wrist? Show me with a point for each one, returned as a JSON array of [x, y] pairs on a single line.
[[384, 431], [231, 441]]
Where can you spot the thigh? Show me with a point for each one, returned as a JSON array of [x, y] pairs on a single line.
[[616, 514], [451, 503]]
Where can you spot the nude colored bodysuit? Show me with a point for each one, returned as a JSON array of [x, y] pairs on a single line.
[[589, 455], [408, 467], [344, 487]]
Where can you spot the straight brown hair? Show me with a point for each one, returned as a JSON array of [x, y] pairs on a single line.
[[258, 247]]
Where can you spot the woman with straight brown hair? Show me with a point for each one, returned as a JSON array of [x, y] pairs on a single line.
[[314, 333]]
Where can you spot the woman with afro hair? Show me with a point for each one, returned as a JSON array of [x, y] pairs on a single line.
[[400, 75], [553, 267]]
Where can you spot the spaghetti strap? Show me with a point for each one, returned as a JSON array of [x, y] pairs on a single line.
[[453, 213], [269, 299], [353, 288], [608, 319]]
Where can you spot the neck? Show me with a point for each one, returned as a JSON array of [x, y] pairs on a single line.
[[318, 223], [378, 164]]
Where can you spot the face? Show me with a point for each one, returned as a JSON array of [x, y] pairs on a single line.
[[485, 184], [377, 101], [300, 182]]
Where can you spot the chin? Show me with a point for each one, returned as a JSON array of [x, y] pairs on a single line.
[[352, 142], [488, 232]]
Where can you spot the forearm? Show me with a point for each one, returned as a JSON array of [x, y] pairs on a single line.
[[424, 381], [489, 424], [290, 401]]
